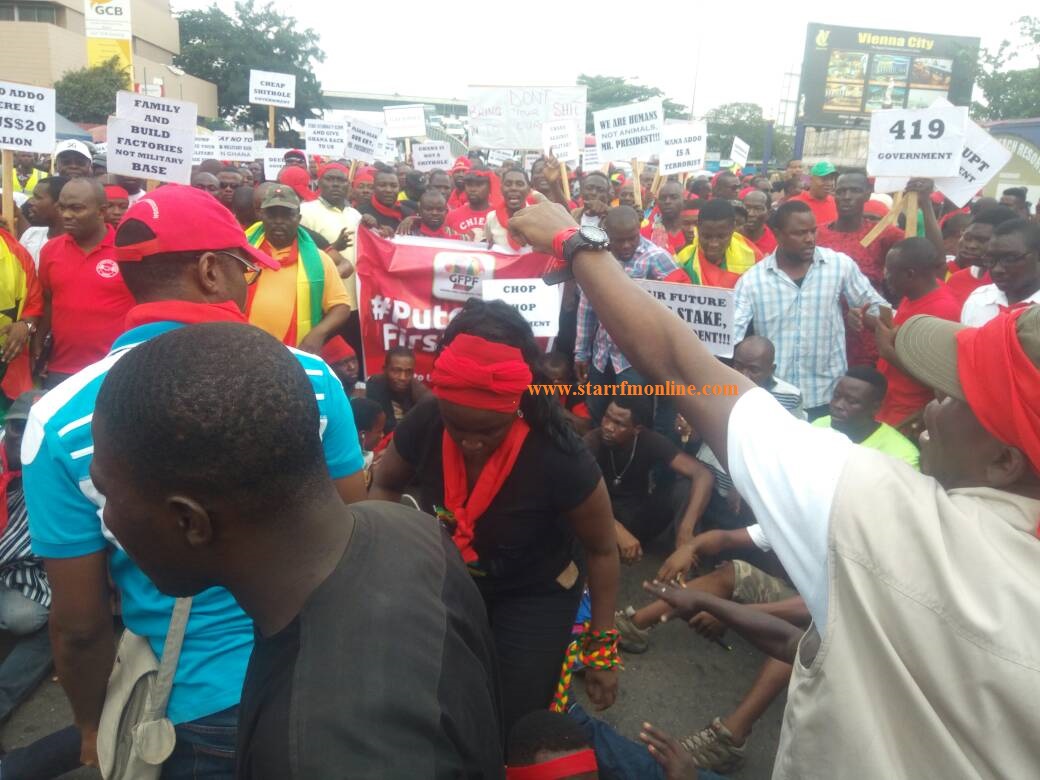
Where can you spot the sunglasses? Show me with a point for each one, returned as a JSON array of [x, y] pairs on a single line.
[[252, 271]]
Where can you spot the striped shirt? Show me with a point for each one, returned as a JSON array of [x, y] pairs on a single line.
[[804, 322], [648, 262], [20, 570], [788, 396]]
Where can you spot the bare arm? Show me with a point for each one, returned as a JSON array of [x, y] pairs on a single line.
[[701, 484], [390, 476], [333, 322], [351, 488]]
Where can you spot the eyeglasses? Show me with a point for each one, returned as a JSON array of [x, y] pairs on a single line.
[[252, 272], [989, 261]]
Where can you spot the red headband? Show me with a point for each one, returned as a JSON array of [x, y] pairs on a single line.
[[337, 349], [114, 191], [567, 766], [1001, 384], [483, 374], [332, 166], [689, 212]]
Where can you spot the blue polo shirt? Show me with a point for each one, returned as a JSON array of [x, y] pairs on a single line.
[[65, 521]]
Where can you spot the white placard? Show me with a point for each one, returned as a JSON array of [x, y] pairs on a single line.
[[739, 151], [498, 157], [149, 152], [431, 155], [708, 311], [590, 158], [26, 118], [272, 89], [158, 112], [530, 159], [327, 139], [274, 161], [386, 150], [405, 121], [537, 302], [234, 146], [511, 117], [982, 158], [560, 139], [205, 148], [890, 184], [917, 142], [685, 144], [629, 132], [107, 19], [362, 142]]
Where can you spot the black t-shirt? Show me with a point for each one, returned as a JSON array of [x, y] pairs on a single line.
[[523, 537], [378, 389], [626, 480], [388, 671], [382, 219]]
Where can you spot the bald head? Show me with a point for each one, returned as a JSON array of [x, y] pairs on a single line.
[[90, 190], [207, 182], [755, 358], [82, 207], [622, 226], [621, 217]]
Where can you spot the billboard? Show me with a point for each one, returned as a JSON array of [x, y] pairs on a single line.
[[109, 32], [849, 72]]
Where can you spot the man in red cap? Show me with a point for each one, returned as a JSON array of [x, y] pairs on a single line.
[[458, 176], [177, 277], [469, 219], [118, 202], [295, 157], [922, 587], [331, 215], [83, 290]]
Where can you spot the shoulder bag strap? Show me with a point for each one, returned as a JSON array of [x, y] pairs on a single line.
[[159, 695]]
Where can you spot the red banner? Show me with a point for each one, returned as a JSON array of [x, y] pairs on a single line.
[[411, 287]]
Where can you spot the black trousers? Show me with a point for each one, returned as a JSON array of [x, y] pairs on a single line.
[[532, 628], [647, 518]]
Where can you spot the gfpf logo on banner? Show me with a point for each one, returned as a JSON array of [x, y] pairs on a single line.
[[457, 276]]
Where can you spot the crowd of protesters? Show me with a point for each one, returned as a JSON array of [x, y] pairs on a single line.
[[375, 576]]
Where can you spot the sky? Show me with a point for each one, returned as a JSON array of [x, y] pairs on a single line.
[[707, 53]]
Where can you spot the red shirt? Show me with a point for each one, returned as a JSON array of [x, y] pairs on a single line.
[[824, 210], [676, 240], [89, 300], [766, 243], [964, 282], [466, 219], [907, 396]]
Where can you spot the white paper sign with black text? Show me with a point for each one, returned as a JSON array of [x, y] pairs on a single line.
[[708, 311], [537, 302], [982, 158], [26, 118], [560, 139], [161, 112], [917, 142], [274, 161], [234, 146], [149, 152], [272, 89], [327, 139], [629, 132], [685, 144], [205, 148], [405, 121], [431, 155], [362, 142], [497, 157], [739, 151]]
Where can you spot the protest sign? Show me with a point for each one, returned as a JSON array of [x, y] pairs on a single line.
[[560, 139], [497, 157], [981, 159], [530, 159], [629, 132], [917, 142], [431, 155], [511, 117], [327, 139], [708, 311], [361, 142], [205, 148], [157, 111], [411, 288], [537, 302], [26, 118], [685, 144], [272, 89], [589, 158], [739, 151], [386, 150], [274, 161], [234, 146], [149, 152], [405, 121]]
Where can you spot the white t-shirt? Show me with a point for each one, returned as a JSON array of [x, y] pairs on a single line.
[[984, 304], [33, 240]]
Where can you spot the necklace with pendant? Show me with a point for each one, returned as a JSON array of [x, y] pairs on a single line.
[[631, 456]]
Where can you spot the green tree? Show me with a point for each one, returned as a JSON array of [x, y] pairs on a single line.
[[609, 91], [746, 121], [89, 94], [223, 49], [1009, 93]]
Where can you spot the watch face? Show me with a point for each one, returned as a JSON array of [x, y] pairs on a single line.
[[595, 235]]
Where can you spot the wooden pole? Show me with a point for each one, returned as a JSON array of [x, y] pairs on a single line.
[[565, 181], [8, 202], [637, 188], [910, 211], [656, 186], [353, 170], [885, 221], [408, 150], [270, 126]]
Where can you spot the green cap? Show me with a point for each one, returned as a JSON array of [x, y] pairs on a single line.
[[281, 195], [823, 168]]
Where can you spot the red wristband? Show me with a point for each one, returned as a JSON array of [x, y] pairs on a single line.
[[560, 237]]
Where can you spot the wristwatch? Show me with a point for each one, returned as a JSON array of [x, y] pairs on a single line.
[[32, 326], [568, 243]]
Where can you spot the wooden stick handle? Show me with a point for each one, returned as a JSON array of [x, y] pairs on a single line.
[[353, 170], [910, 210], [885, 221], [637, 188], [270, 126]]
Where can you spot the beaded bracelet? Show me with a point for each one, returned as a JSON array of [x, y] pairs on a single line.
[[605, 656]]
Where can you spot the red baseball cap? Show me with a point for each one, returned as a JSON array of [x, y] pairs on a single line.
[[184, 219]]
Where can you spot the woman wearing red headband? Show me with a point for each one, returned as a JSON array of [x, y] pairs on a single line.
[[520, 494]]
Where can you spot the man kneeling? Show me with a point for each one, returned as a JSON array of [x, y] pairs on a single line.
[[208, 453]]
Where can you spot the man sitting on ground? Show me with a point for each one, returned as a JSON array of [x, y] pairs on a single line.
[[396, 390], [200, 495]]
